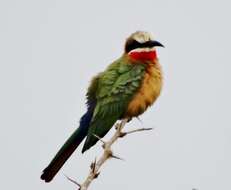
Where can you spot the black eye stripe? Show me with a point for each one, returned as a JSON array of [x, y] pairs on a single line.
[[133, 44]]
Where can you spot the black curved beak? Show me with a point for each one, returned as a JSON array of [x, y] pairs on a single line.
[[155, 43]]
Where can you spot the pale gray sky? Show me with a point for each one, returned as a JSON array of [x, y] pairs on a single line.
[[50, 49]]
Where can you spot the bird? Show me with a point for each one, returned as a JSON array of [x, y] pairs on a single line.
[[125, 90]]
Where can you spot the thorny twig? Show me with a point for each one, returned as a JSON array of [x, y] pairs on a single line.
[[107, 154]]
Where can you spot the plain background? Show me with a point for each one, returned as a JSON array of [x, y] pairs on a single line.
[[49, 51]]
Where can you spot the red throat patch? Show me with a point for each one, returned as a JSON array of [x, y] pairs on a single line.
[[143, 55]]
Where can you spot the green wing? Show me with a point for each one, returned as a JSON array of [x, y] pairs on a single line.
[[116, 86]]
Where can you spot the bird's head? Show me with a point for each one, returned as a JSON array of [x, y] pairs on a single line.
[[141, 46]]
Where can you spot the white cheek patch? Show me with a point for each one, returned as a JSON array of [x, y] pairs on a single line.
[[143, 49]]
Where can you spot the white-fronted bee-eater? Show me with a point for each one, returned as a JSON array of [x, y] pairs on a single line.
[[125, 89]]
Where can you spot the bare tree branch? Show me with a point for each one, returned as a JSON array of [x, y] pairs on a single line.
[[134, 131], [107, 154]]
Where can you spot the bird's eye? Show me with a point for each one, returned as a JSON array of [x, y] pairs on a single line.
[[132, 44]]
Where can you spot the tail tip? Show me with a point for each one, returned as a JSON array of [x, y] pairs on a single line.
[[46, 176]]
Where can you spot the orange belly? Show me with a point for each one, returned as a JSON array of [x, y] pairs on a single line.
[[148, 92]]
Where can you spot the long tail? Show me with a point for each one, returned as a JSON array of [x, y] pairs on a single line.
[[67, 149]]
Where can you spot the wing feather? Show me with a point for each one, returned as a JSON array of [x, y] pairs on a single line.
[[116, 87]]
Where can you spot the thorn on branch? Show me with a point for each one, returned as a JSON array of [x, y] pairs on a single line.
[[93, 169], [122, 134], [117, 157], [96, 175], [73, 181], [139, 119], [100, 139], [108, 153], [93, 165]]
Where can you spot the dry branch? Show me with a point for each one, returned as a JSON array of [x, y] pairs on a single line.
[[107, 154]]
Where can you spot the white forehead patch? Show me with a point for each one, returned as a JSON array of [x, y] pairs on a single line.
[[142, 37]]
